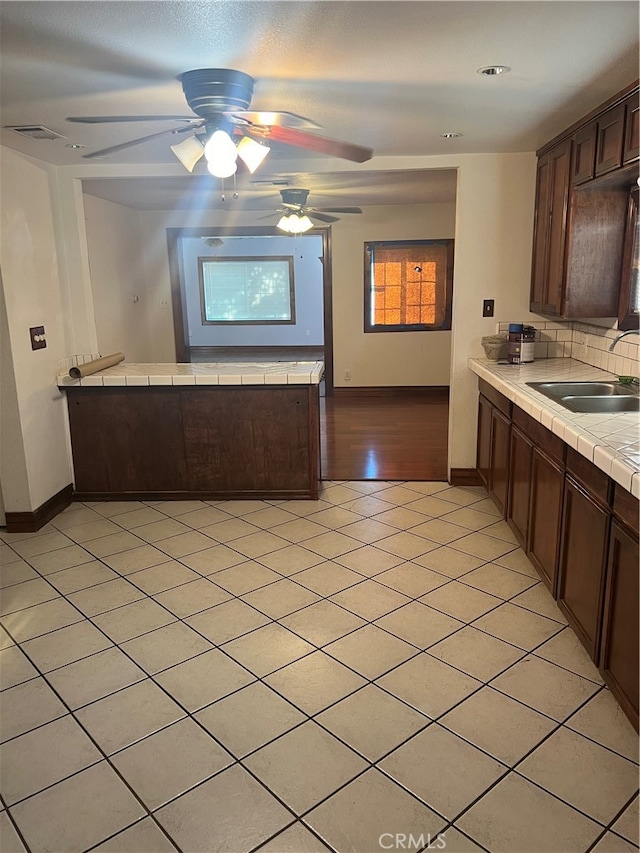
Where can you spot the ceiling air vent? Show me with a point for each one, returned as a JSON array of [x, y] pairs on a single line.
[[35, 131]]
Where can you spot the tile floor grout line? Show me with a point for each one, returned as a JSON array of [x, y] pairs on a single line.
[[14, 825]]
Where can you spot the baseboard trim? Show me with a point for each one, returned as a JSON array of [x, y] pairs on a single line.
[[465, 477], [393, 391], [273, 494], [31, 522]]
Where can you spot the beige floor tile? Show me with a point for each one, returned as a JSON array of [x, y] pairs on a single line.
[[161, 577], [229, 812], [372, 722], [79, 812], [368, 505], [470, 517], [15, 668], [498, 581], [476, 653], [321, 623], [462, 495], [235, 723], [107, 596], [66, 645], [257, 544], [442, 531], [411, 579], [227, 621], [132, 620], [245, 577], [109, 509], [332, 544], [303, 508], [449, 562], [290, 560], [295, 839], [429, 685], [370, 651], [369, 599], [114, 543], [300, 529], [458, 772], [398, 495], [158, 530], [26, 706], [203, 517], [483, 546], [368, 530], [43, 757], [456, 842], [517, 626], [267, 649], [138, 517], [184, 543], [74, 515], [516, 815], [368, 813], [486, 504], [545, 687], [518, 561], [129, 715], [501, 530], [401, 518], [26, 594], [271, 517], [16, 572], [240, 507], [304, 766], [166, 647], [5, 639], [418, 624], [280, 598], [314, 682], [498, 725], [202, 680], [95, 677], [213, 560], [143, 837], [406, 545], [229, 529], [171, 761], [567, 764], [11, 842], [61, 558], [41, 543], [567, 651], [604, 721], [461, 601], [628, 822], [92, 530], [335, 517], [176, 509], [327, 578], [369, 560], [612, 843], [193, 597], [539, 600], [340, 493], [41, 619], [135, 559], [81, 577], [432, 506]]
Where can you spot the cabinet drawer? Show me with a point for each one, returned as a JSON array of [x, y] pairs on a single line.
[[626, 508], [595, 481], [543, 438], [495, 397]]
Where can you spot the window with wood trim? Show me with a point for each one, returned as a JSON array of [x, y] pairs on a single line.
[[408, 285], [247, 290]]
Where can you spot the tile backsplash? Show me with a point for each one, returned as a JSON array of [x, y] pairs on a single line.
[[585, 342]]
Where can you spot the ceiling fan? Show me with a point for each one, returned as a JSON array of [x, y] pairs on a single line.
[[220, 100], [298, 217]]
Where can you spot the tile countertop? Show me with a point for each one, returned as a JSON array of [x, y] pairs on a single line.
[[610, 441], [222, 373]]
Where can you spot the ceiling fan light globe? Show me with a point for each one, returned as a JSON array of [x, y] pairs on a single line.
[[283, 224], [222, 168], [188, 152], [220, 147], [298, 224], [252, 153]]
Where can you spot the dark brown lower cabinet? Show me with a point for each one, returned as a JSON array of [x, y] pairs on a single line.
[[519, 485], [499, 481], [581, 575], [547, 481], [483, 455], [619, 662]]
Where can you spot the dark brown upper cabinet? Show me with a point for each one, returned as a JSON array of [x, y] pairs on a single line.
[[629, 311], [610, 140]]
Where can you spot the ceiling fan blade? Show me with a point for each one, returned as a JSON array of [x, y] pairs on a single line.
[[113, 119], [122, 145], [267, 119], [301, 139], [338, 209], [323, 217]]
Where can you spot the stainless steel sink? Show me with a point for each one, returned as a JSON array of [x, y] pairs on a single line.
[[591, 396]]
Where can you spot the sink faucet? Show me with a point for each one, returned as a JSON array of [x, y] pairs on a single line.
[[623, 335]]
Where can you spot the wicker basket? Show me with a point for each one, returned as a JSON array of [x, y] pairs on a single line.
[[495, 346]]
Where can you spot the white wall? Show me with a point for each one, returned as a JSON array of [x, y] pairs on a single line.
[[35, 462], [116, 263]]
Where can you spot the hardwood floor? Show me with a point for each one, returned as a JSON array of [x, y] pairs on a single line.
[[384, 438]]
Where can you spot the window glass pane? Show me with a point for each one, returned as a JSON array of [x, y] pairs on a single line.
[[247, 290]]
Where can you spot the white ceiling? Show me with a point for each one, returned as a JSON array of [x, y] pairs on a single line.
[[392, 76]]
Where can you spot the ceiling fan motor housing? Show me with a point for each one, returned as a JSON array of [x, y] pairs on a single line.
[[295, 195], [212, 91]]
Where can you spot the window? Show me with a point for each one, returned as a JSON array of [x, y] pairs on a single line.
[[247, 290], [408, 285]]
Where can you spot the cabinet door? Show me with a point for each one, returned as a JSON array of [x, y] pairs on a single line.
[[560, 164], [519, 485], [584, 154], [544, 517], [584, 542], [610, 140], [541, 233], [619, 663], [499, 476], [483, 460], [631, 130]]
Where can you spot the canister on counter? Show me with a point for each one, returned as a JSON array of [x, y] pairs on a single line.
[[520, 347]]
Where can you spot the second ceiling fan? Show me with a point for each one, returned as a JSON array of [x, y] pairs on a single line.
[[297, 217]]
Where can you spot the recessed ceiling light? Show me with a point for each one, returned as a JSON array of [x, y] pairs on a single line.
[[74, 145], [450, 134], [493, 70]]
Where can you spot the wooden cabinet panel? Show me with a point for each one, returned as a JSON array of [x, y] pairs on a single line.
[[584, 154], [547, 480], [560, 173], [619, 662], [541, 234], [499, 477], [519, 485], [631, 147], [584, 543], [610, 140], [483, 453], [126, 440]]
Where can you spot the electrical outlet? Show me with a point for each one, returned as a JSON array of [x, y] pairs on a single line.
[[488, 307], [38, 340], [163, 303], [347, 376]]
